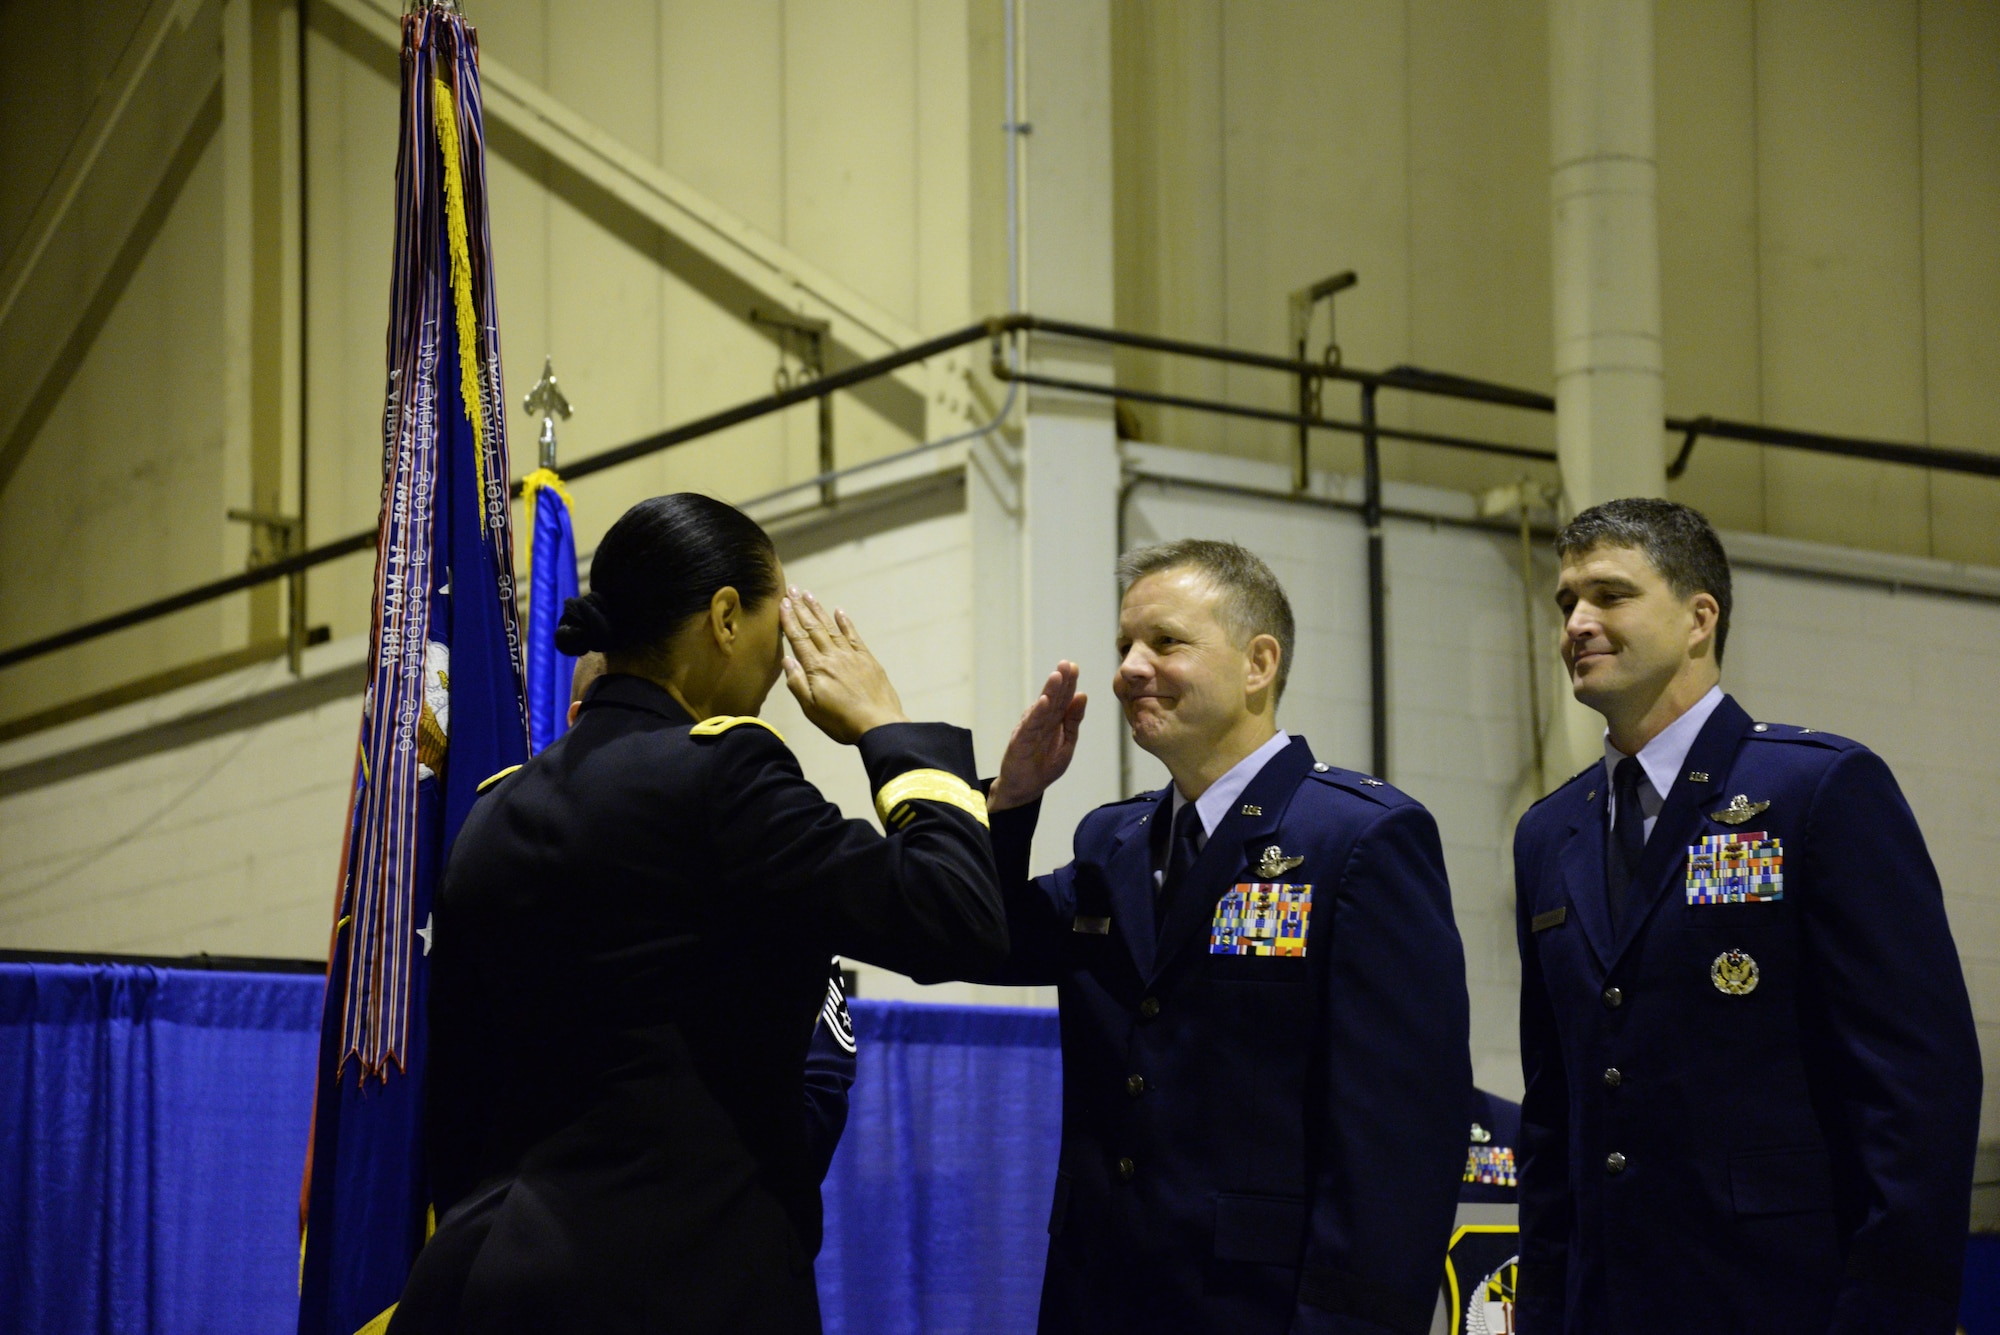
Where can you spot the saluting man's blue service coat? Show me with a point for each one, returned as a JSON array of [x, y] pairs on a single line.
[[1251, 1142], [1753, 1116]]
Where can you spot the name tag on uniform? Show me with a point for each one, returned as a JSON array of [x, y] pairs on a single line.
[[1747, 868], [1261, 918]]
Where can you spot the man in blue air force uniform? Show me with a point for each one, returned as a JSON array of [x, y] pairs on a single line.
[[1264, 1016], [1752, 1077]]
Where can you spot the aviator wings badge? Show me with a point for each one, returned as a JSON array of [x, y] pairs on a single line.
[[1274, 863], [1740, 809]]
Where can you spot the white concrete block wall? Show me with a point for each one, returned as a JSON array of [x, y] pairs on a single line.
[[1908, 672], [230, 845]]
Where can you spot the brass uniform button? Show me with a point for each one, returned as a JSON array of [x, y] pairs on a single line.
[[1135, 1085], [1149, 1008], [1125, 1170], [1613, 1076], [1613, 998], [1614, 1163]]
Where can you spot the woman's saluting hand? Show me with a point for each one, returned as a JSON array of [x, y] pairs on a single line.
[[838, 683]]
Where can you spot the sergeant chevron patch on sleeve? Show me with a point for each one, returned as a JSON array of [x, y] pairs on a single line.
[[927, 785]]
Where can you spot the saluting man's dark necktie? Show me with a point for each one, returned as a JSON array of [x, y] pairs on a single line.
[[1628, 839], [1180, 853]]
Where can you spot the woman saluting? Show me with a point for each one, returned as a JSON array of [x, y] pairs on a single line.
[[631, 945]]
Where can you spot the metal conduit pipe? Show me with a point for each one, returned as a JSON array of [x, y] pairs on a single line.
[[1378, 588], [1402, 378]]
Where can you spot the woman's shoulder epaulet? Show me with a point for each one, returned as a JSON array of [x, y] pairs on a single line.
[[721, 723], [487, 783]]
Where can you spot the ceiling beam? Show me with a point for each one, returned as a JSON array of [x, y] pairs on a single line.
[[767, 268]]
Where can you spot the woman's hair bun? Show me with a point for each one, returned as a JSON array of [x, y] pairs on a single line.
[[584, 628], [659, 567]]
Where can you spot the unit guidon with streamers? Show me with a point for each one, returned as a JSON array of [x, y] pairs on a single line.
[[444, 705]]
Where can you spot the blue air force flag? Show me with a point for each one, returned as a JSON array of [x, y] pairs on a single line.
[[551, 581], [444, 706]]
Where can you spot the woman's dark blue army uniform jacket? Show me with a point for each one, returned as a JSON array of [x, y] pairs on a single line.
[[631, 945]]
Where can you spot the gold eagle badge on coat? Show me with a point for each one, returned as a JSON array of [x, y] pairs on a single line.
[[1734, 973]]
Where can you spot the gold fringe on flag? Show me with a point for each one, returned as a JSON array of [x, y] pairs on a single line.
[[461, 283]]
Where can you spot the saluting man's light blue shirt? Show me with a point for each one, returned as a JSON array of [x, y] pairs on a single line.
[[1214, 803], [1660, 760]]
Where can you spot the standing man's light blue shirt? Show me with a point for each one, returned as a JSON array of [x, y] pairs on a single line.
[[1221, 795], [1660, 759]]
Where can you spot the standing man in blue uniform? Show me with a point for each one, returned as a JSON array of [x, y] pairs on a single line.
[[1264, 1014], [1752, 1076]]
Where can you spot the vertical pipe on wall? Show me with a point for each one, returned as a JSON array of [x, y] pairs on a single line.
[[1378, 630], [1302, 455], [296, 635], [827, 494], [1013, 129]]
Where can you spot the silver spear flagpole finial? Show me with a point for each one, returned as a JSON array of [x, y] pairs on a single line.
[[546, 400]]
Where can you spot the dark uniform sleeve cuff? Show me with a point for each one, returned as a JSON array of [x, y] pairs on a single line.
[[1013, 837], [895, 748], [910, 762]]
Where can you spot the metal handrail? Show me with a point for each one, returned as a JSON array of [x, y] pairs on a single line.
[[1405, 379], [584, 467]]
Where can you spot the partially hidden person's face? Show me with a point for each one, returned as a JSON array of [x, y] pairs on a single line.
[[1182, 675], [1626, 633], [588, 669], [760, 649]]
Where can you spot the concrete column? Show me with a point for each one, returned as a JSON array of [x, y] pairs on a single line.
[[1070, 466], [1604, 187]]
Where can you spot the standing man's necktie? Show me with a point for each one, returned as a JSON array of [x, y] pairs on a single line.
[[1181, 852], [1628, 840]]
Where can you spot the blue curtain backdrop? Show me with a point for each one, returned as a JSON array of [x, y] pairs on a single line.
[[937, 1207], [151, 1141], [154, 1124], [153, 1129]]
